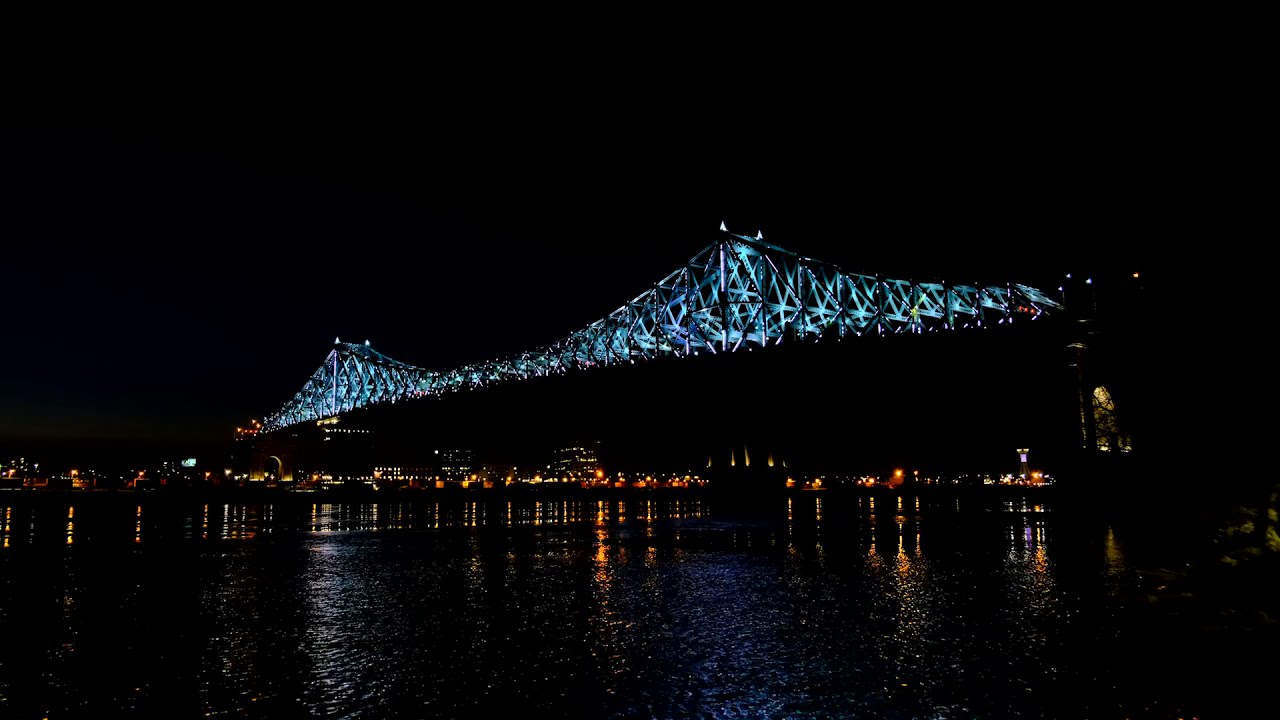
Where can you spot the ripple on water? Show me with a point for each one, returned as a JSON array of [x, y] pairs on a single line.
[[564, 610]]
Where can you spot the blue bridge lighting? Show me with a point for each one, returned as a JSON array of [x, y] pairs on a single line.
[[739, 293]]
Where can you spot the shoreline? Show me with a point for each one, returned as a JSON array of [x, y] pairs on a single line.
[[364, 494]]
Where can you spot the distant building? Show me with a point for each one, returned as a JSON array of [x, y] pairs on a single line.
[[20, 467], [399, 476], [21, 472], [498, 473], [180, 472], [579, 462], [456, 464]]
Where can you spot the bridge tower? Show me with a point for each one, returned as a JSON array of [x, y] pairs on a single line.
[[1108, 351]]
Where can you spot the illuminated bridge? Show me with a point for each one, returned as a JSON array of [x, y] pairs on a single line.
[[737, 294]]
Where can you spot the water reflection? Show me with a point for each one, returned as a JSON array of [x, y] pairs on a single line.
[[820, 606], [232, 522], [1116, 572]]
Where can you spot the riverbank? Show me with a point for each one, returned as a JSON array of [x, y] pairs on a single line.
[[937, 496]]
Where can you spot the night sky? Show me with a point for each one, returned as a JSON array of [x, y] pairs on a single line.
[[164, 282]]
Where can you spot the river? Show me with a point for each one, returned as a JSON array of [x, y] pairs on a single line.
[[812, 606]]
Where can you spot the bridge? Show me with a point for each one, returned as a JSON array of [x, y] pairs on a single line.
[[738, 294]]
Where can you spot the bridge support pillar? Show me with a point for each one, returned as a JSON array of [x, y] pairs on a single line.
[[271, 463]]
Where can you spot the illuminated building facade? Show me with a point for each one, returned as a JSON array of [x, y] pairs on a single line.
[[404, 475], [579, 462], [456, 464]]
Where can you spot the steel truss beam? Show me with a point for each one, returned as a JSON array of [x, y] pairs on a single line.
[[739, 293]]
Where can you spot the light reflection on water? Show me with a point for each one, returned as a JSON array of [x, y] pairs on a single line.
[[566, 608]]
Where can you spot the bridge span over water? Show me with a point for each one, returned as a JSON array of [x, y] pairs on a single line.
[[737, 294]]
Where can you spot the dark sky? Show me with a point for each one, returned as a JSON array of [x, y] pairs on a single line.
[[166, 280]]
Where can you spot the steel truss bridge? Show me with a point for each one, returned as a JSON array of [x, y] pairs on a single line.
[[739, 293]]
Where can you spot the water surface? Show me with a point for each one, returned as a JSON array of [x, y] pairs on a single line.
[[817, 606]]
